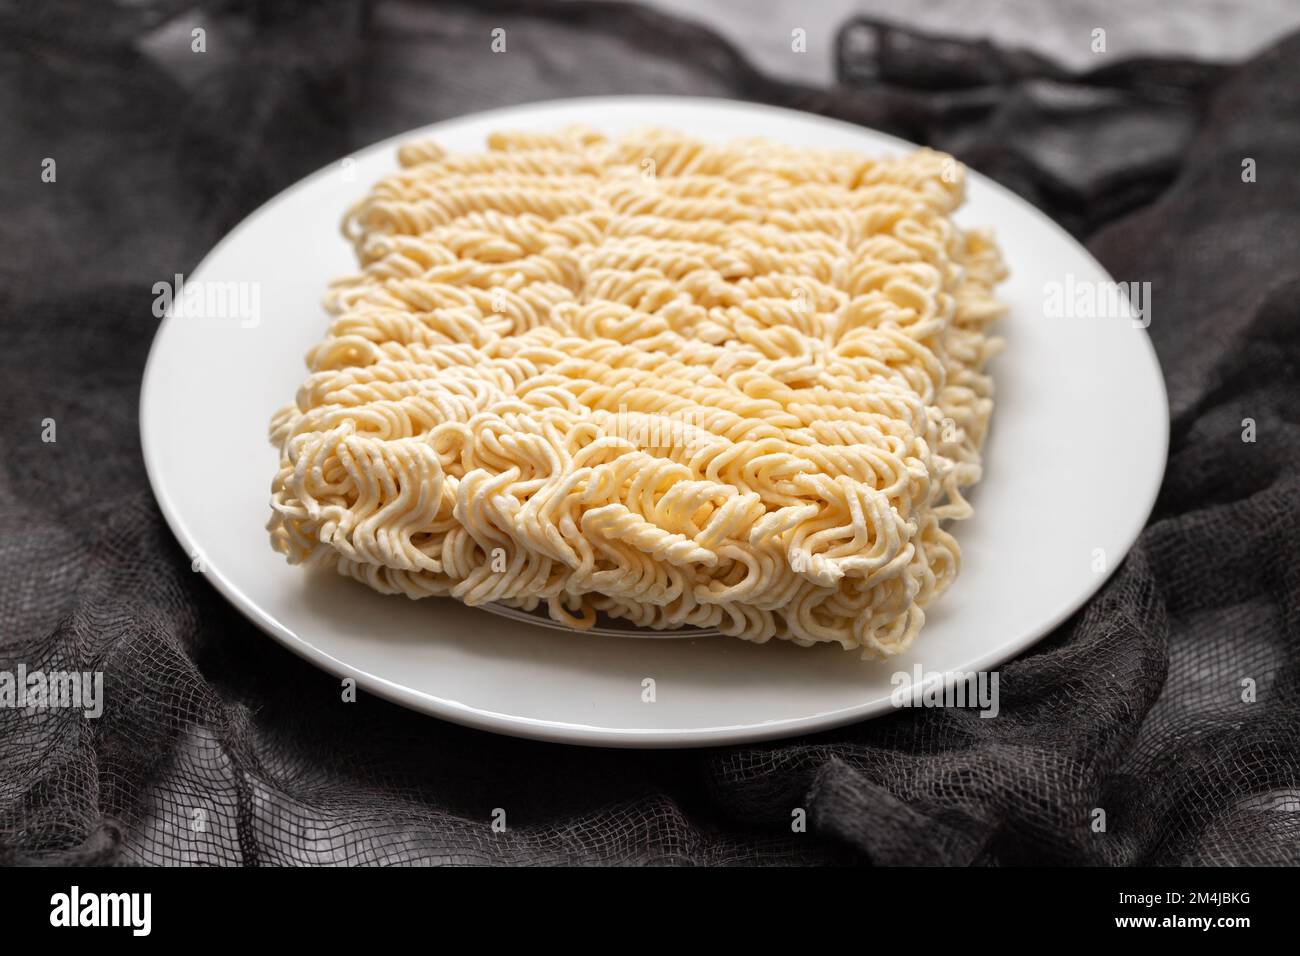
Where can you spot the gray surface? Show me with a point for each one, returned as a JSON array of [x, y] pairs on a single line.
[[1206, 29]]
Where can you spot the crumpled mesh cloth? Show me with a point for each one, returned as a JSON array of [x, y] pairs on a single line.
[[1134, 706]]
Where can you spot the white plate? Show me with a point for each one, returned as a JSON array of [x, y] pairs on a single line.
[[1073, 463]]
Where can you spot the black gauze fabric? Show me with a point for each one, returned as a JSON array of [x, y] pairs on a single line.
[[1171, 701]]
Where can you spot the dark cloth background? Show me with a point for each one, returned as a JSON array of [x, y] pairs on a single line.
[[1133, 706]]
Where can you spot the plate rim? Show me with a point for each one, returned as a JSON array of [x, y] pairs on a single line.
[[564, 732]]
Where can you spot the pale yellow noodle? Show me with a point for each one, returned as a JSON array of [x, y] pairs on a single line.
[[673, 382]]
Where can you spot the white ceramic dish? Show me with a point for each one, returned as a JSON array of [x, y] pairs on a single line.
[[1075, 457]]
